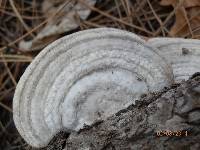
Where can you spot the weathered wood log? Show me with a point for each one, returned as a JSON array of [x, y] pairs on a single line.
[[169, 119]]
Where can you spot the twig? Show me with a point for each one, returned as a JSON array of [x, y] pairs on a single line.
[[35, 28], [19, 17], [156, 16], [187, 20], [9, 72], [115, 19], [5, 107], [168, 18]]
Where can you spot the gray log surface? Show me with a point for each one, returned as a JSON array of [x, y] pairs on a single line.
[[175, 110]]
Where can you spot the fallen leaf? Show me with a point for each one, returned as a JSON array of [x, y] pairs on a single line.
[[185, 3], [191, 3], [181, 27], [64, 21], [187, 17], [168, 2]]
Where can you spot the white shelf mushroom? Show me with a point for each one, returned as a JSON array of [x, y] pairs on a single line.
[[182, 54], [83, 77]]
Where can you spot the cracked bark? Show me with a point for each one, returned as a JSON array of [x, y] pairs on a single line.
[[173, 109]]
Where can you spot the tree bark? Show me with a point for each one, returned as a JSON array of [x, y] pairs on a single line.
[[169, 119]]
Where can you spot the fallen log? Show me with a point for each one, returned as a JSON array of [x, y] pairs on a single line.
[[169, 119]]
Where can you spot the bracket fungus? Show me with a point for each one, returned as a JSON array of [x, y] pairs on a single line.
[[182, 54], [83, 77]]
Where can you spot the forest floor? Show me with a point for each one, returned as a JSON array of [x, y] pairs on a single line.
[[22, 23]]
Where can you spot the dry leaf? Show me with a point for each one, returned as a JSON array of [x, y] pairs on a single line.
[[187, 17], [181, 27], [168, 2], [185, 3], [64, 21], [191, 3]]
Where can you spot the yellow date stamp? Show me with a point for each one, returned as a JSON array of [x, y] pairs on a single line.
[[172, 133]]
